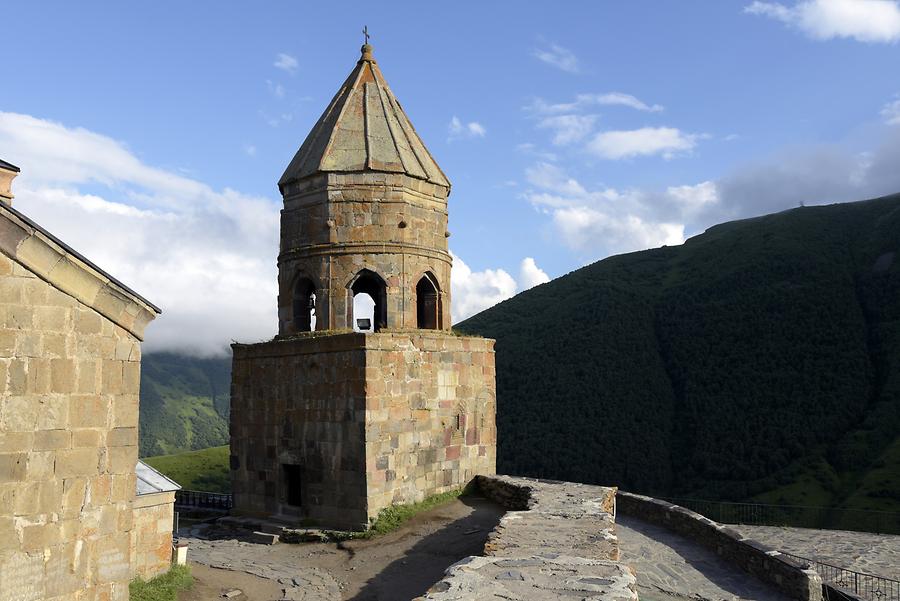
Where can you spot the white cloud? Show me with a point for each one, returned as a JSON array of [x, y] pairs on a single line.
[[696, 198], [276, 89], [530, 275], [457, 129], [587, 228], [475, 291], [552, 178], [583, 102], [250, 149], [276, 120], [863, 20], [205, 256], [568, 129], [665, 141], [286, 62], [598, 223], [891, 112], [559, 57]]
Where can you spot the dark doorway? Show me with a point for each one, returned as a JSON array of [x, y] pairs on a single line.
[[428, 304], [369, 282], [304, 307], [293, 485]]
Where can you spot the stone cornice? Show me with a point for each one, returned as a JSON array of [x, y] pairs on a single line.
[[44, 255], [363, 248]]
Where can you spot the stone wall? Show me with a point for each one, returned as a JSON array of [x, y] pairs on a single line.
[[767, 564], [369, 419], [430, 415], [300, 402], [69, 381], [557, 541], [333, 225], [151, 534]]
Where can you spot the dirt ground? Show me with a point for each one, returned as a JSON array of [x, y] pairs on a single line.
[[394, 567]]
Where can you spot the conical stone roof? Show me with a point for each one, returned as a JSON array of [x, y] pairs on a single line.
[[364, 128]]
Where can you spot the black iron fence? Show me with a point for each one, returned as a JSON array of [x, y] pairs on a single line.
[[198, 499], [859, 584], [795, 516]]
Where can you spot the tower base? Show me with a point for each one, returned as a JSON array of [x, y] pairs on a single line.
[[331, 429]]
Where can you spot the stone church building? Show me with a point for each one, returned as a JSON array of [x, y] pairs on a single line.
[[70, 352], [332, 425]]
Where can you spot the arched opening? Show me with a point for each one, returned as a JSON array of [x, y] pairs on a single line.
[[363, 313], [428, 303], [304, 305], [370, 283]]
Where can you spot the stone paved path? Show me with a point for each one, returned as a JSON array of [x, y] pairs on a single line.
[[393, 567], [669, 567], [299, 582], [877, 554]]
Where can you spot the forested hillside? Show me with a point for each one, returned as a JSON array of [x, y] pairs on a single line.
[[185, 403], [759, 359]]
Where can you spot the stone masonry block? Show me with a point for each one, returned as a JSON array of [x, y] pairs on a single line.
[[88, 411], [77, 462], [62, 375], [46, 440], [12, 467]]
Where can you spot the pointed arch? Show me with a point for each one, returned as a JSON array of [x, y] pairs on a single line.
[[428, 303], [368, 282], [303, 303]]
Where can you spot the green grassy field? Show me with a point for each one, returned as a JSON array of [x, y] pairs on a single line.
[[205, 470]]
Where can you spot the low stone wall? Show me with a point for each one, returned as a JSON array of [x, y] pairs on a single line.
[[557, 542], [753, 557], [151, 534]]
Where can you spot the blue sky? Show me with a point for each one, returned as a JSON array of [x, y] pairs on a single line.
[[151, 135]]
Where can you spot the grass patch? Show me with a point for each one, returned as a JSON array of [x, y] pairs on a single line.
[[391, 518], [205, 470], [164, 587]]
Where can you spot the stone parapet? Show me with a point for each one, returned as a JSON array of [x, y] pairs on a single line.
[[770, 566], [557, 541]]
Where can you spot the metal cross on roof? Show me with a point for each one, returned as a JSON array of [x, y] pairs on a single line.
[[366, 33]]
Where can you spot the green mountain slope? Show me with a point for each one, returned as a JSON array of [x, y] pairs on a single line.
[[185, 403], [759, 359]]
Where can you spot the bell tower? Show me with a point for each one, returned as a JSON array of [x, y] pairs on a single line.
[[349, 409], [365, 212]]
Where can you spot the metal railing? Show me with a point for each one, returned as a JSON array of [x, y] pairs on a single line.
[[860, 584], [199, 499], [796, 516]]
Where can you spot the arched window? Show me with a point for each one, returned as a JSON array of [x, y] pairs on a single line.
[[428, 303], [304, 305], [370, 283]]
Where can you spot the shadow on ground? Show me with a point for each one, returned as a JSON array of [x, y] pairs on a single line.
[[424, 563], [656, 568]]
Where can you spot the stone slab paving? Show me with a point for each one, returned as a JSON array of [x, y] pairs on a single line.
[[301, 583], [537, 578], [668, 566], [556, 542], [877, 554]]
